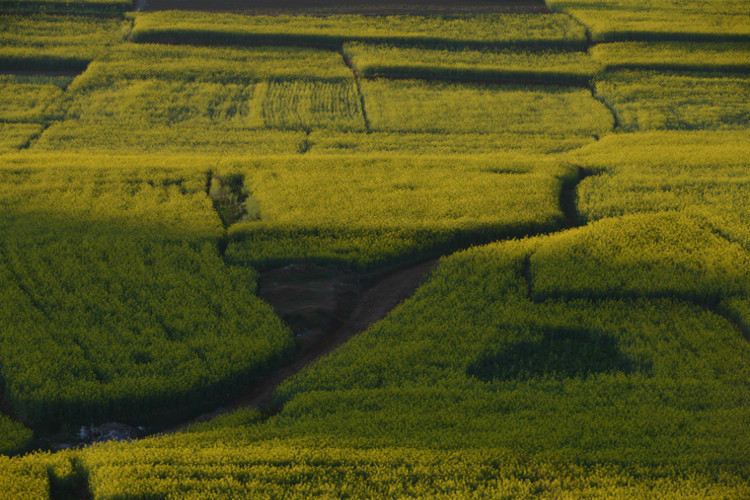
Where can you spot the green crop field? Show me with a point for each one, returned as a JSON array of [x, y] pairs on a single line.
[[558, 31], [56, 43], [17, 135], [651, 100], [412, 106], [674, 56], [31, 99], [570, 67], [367, 211], [659, 20], [464, 253]]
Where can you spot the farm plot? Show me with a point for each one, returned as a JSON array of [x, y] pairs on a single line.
[[639, 381], [98, 138], [31, 98], [490, 30], [146, 98], [644, 255], [367, 211], [365, 7], [14, 136], [606, 361], [472, 386], [558, 68], [162, 115], [703, 174], [649, 100], [303, 105], [328, 142], [119, 305], [415, 106], [297, 471], [227, 65], [153, 102], [659, 20], [674, 56], [56, 43]]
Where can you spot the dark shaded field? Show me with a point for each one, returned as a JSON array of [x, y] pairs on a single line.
[[368, 7]]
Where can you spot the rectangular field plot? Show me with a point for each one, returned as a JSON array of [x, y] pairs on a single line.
[[559, 68], [97, 137], [151, 98], [119, 305], [675, 56], [326, 142], [412, 106], [31, 98], [55, 43], [503, 30], [656, 20], [152, 102], [689, 6], [167, 468], [644, 100], [645, 255], [213, 116], [301, 105], [287, 105], [704, 174], [368, 211], [147, 194], [212, 64]]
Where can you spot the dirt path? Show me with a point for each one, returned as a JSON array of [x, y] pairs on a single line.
[[366, 7], [374, 303]]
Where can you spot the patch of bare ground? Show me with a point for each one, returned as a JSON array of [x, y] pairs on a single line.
[[364, 7]]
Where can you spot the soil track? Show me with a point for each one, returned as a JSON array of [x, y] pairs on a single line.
[[365, 7], [373, 304]]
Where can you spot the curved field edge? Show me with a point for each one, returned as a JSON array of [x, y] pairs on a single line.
[[136, 220], [113, 271], [342, 421]]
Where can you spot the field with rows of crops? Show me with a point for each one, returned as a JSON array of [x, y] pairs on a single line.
[[490, 249]]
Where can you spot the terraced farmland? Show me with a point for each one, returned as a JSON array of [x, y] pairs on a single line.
[[478, 251]]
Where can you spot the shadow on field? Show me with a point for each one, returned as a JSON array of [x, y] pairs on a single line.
[[555, 353], [365, 7]]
